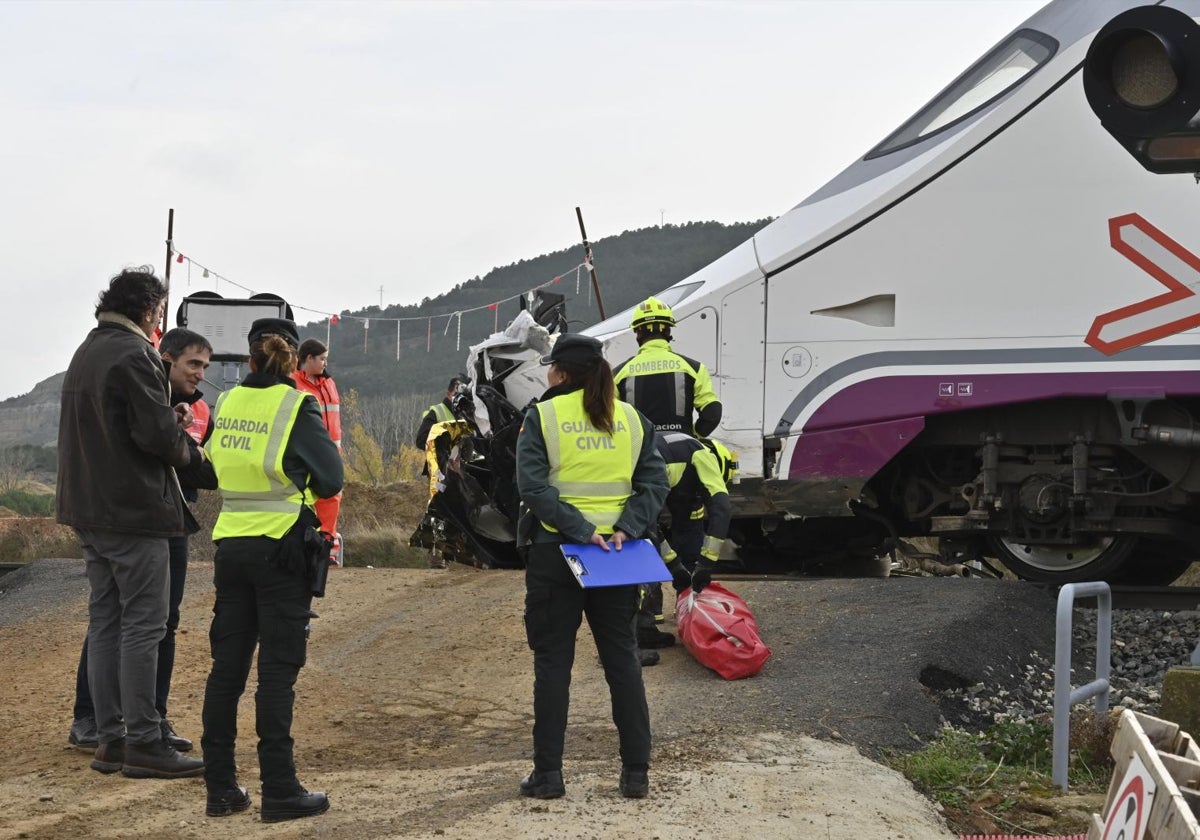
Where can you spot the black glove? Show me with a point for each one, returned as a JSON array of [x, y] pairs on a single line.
[[701, 577], [680, 578]]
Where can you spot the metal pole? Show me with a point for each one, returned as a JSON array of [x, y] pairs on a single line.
[[587, 258], [328, 321], [1064, 695], [167, 273]]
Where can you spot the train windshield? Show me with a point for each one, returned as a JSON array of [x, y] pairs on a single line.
[[671, 297], [987, 80]]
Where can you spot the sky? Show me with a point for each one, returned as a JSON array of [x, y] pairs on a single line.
[[324, 151]]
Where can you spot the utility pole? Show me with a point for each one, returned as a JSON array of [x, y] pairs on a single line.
[[381, 298], [662, 214], [167, 273], [587, 258]]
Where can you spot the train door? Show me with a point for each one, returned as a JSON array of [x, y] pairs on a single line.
[[743, 325]]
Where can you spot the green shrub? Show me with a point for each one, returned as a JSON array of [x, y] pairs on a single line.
[[28, 504]]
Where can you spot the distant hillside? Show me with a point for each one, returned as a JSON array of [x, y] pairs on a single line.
[[32, 418], [630, 266]]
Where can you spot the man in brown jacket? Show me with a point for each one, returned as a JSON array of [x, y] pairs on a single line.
[[118, 440]]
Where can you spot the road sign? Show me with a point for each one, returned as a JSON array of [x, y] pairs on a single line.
[[1166, 261], [1126, 819]]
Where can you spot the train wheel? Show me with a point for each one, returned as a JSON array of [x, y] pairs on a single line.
[[1156, 563], [1100, 558]]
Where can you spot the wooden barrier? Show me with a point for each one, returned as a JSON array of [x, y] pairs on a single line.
[[1163, 756]]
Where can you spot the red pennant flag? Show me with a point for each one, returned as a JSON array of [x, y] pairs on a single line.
[[493, 306], [557, 279], [333, 319], [179, 258]]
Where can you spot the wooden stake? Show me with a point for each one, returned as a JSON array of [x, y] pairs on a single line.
[[587, 258]]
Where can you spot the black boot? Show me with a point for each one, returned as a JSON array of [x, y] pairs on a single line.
[[303, 804], [222, 803], [652, 637], [544, 784], [175, 740], [634, 784], [109, 757], [159, 760]]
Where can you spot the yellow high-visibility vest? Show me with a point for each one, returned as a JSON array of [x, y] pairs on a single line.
[[250, 432], [441, 414], [591, 469]]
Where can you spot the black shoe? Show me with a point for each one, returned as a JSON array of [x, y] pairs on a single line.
[[83, 735], [652, 637], [303, 804], [177, 741], [648, 658], [109, 757], [544, 784], [228, 801], [635, 784], [159, 760]]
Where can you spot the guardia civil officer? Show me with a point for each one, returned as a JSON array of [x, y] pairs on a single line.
[[666, 387], [273, 458], [587, 472]]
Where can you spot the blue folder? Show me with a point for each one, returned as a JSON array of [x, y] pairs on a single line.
[[638, 561]]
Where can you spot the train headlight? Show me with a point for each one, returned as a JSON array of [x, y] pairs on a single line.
[[1142, 73], [1142, 79]]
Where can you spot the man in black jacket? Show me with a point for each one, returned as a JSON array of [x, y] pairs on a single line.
[[185, 357], [118, 442]]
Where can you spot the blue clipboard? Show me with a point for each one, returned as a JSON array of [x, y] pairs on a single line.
[[638, 561]]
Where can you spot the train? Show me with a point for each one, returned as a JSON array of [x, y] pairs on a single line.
[[982, 331]]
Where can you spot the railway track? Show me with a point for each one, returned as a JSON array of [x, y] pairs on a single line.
[[1170, 598]]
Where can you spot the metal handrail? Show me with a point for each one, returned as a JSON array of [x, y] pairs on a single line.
[[1064, 696]]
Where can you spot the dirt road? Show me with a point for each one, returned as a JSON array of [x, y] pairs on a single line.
[[414, 712]]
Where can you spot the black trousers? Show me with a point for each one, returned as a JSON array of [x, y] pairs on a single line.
[[166, 648], [554, 607], [686, 536], [258, 604]]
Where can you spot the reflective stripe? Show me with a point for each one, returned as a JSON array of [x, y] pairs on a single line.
[[232, 505], [441, 414], [553, 445], [637, 435], [595, 488], [711, 548], [279, 432], [334, 408], [681, 398]]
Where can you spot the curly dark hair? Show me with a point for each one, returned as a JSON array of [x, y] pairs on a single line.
[[131, 293]]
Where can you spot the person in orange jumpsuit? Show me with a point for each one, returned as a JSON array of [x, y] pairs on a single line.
[[311, 376]]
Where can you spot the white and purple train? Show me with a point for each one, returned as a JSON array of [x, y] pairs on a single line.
[[986, 329]]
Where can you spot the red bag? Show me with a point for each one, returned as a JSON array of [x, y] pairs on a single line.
[[719, 630]]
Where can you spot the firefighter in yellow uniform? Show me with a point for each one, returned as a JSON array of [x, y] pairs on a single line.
[[587, 472], [273, 457], [663, 385], [453, 407]]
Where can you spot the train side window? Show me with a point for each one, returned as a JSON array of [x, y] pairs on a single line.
[[1006, 66]]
